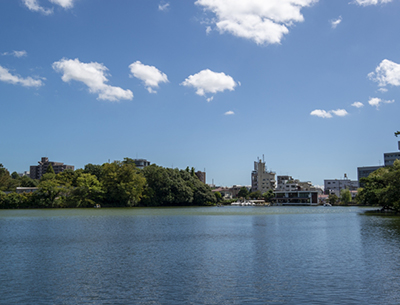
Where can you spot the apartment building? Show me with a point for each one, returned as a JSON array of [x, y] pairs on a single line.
[[261, 179], [37, 171]]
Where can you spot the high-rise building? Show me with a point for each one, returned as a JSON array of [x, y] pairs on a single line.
[[261, 179], [37, 171], [201, 175]]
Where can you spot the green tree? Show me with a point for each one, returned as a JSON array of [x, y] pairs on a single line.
[[382, 188], [333, 199], [345, 196], [15, 175], [88, 191], [123, 184], [93, 169], [50, 169], [268, 195], [218, 196], [5, 179], [243, 192], [255, 195]]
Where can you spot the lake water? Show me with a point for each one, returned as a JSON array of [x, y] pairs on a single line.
[[214, 255]]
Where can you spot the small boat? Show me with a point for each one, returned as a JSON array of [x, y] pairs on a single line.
[[327, 205], [97, 206]]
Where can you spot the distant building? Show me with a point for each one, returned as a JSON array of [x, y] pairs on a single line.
[[141, 163], [37, 171], [261, 179], [201, 176], [287, 183], [390, 158], [334, 186], [20, 190], [364, 171], [295, 198]]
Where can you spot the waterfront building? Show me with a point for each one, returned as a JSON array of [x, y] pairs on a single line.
[[295, 198], [261, 179], [287, 183], [334, 186], [37, 171]]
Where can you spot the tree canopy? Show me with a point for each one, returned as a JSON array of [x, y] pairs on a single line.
[[382, 188]]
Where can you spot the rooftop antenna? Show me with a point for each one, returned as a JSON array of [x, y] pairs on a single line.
[[263, 158]]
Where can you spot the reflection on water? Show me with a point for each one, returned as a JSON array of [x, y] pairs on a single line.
[[229, 255]]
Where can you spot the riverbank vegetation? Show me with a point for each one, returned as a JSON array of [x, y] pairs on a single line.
[[382, 188], [117, 184]]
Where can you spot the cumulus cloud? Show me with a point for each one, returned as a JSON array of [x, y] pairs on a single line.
[[321, 113], [163, 6], [150, 75], [371, 2], [340, 112], [328, 114], [357, 104], [34, 5], [64, 3], [94, 75], [336, 22], [230, 112], [387, 73], [7, 77], [264, 22], [376, 102], [16, 53], [207, 81]]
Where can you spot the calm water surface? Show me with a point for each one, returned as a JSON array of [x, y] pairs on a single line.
[[229, 255]]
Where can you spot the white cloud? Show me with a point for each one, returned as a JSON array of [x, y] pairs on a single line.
[[376, 102], [340, 112], [150, 75], [92, 75], [163, 7], [321, 113], [371, 2], [230, 112], [264, 22], [357, 104], [207, 81], [6, 76], [387, 73], [328, 114], [16, 53], [34, 6], [64, 3], [335, 23]]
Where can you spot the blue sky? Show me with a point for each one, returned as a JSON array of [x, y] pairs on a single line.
[[312, 85]]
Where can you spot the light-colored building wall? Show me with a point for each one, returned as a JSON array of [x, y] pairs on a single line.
[[334, 186], [390, 158], [261, 179]]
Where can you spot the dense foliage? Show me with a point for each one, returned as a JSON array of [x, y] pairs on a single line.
[[117, 184], [382, 188]]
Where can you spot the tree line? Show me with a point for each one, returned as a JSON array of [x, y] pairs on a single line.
[[116, 184], [382, 188]]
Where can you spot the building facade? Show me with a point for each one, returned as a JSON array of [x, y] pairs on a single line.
[[287, 183], [334, 186], [37, 171], [141, 163], [390, 158], [201, 175], [261, 179], [364, 171]]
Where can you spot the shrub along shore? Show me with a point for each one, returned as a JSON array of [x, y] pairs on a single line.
[[117, 184]]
